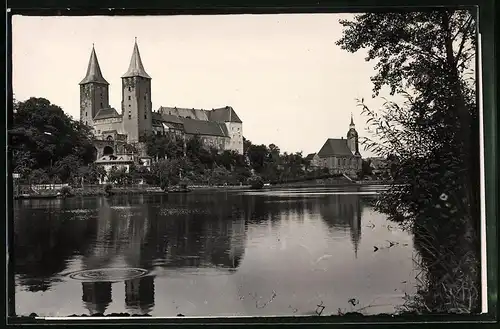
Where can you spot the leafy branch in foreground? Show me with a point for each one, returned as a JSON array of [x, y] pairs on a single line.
[[432, 141]]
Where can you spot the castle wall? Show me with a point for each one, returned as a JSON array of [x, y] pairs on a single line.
[[217, 142], [235, 130], [108, 124]]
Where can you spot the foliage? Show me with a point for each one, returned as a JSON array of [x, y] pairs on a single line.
[[431, 141], [256, 182], [43, 138], [66, 191], [366, 169], [108, 189]]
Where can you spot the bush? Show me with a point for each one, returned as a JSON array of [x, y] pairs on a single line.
[[66, 191], [164, 185], [108, 188], [256, 182]]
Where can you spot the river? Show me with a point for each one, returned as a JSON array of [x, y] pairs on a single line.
[[238, 253]]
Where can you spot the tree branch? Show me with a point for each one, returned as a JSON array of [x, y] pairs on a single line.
[[464, 37]]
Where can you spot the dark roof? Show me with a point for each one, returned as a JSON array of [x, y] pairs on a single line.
[[170, 118], [94, 73], [136, 69], [335, 147], [225, 114], [192, 113], [310, 156], [106, 114], [207, 128]]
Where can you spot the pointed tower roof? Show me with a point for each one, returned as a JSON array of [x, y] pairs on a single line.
[[94, 73], [136, 69], [352, 120]]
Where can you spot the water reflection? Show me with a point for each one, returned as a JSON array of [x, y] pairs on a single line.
[[187, 233], [96, 296], [140, 295]]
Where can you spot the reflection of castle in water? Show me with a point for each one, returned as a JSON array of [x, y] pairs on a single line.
[[96, 296], [341, 211], [139, 295], [169, 238]]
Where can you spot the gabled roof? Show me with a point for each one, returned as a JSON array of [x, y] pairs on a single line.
[[207, 128], [136, 69], [335, 147], [183, 112], [225, 114], [310, 156], [94, 74], [169, 118], [106, 114]]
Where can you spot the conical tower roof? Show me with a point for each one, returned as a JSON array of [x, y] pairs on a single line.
[[94, 73], [136, 69]]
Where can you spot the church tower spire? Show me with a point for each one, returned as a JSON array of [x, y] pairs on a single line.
[[135, 68], [94, 74], [94, 91], [352, 138]]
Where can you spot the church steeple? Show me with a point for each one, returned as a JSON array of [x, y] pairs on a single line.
[[352, 138], [136, 69], [94, 74]]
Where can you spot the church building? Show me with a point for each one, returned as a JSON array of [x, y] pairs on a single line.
[[115, 131], [340, 156]]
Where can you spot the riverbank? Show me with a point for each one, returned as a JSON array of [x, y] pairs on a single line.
[[100, 191]]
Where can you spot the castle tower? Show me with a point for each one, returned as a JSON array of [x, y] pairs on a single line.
[[136, 99], [352, 138], [94, 91]]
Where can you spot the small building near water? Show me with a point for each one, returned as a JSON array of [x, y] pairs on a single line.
[[119, 161]]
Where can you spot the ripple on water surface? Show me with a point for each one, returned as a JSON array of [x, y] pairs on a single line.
[[108, 274]]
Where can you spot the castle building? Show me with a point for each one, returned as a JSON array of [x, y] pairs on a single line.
[[122, 132], [340, 156]]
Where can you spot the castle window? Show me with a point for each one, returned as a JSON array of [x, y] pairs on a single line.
[[101, 104], [85, 113], [129, 89], [129, 97], [145, 116], [128, 105], [130, 116]]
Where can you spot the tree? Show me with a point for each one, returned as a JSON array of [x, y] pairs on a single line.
[[366, 168], [43, 136], [432, 139]]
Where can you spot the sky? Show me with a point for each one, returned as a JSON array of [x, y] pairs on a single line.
[[283, 74]]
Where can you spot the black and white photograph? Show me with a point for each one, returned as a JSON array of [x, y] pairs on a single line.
[[246, 165]]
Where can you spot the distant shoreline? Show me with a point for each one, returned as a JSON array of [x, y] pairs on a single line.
[[79, 192]]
